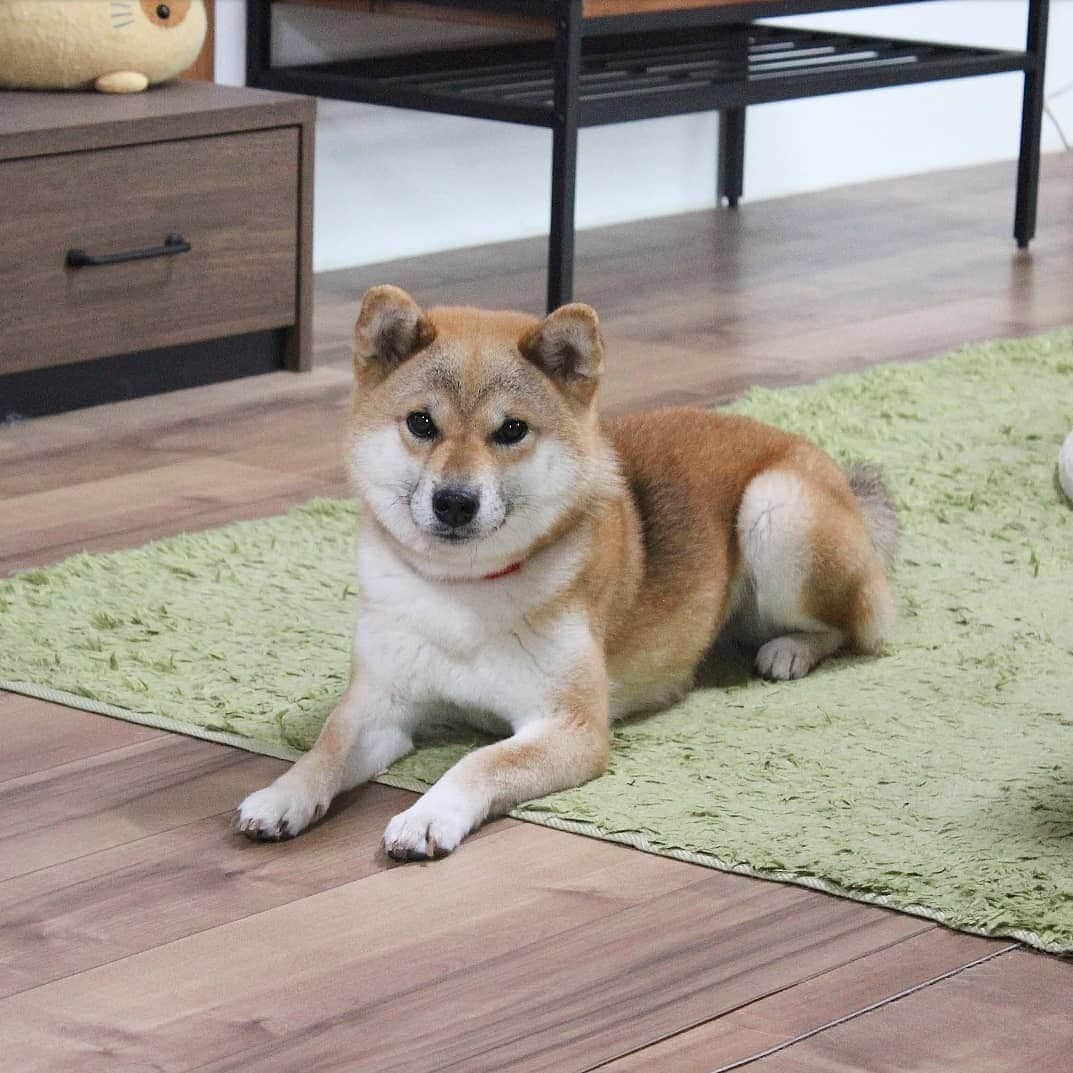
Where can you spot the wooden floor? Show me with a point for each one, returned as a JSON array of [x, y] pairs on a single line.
[[137, 934]]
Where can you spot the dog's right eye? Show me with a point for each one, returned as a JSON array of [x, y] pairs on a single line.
[[420, 425]]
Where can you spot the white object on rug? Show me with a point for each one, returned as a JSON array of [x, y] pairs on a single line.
[[1065, 467]]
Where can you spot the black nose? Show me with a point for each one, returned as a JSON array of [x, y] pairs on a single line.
[[455, 507]]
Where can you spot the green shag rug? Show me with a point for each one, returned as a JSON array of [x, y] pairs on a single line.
[[936, 779]]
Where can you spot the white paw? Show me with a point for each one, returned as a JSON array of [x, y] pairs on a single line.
[[278, 811], [431, 828], [784, 658]]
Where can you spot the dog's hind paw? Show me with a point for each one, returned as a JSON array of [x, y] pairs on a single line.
[[425, 831], [277, 812], [785, 658]]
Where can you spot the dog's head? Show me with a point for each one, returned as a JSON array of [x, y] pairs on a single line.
[[474, 436]]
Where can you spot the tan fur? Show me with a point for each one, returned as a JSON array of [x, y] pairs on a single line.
[[667, 528]]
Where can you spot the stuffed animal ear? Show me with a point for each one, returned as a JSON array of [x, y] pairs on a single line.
[[391, 328], [568, 348]]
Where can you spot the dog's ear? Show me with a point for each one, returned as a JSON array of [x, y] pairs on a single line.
[[568, 347], [391, 328]]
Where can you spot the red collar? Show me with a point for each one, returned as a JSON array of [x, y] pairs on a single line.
[[512, 569]]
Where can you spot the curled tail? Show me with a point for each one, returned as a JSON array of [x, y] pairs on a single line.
[[878, 508]]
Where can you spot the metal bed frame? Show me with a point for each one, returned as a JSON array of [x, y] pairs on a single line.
[[617, 68]]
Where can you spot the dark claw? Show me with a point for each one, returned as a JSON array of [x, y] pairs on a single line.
[[404, 853], [259, 834]]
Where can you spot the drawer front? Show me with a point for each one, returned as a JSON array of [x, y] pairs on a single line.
[[234, 198]]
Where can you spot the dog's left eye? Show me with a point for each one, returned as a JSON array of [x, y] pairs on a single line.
[[511, 431], [420, 425]]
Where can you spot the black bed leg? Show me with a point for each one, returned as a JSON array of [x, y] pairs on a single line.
[[564, 153], [1024, 224], [731, 155], [258, 40]]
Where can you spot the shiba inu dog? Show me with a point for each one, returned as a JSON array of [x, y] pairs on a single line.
[[522, 561]]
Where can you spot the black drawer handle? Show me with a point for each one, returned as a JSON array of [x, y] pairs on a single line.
[[173, 244]]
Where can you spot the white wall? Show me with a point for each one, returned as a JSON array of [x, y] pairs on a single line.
[[393, 183]]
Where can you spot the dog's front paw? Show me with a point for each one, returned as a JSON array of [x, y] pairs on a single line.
[[428, 829], [277, 812]]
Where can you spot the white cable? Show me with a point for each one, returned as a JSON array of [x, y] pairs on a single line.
[[1054, 94], [1066, 144]]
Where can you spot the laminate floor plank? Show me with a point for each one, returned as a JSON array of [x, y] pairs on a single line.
[[553, 963], [89, 910], [297, 968], [39, 735], [1008, 1014], [78, 465], [735, 1039], [41, 438], [639, 975], [41, 520], [119, 796], [91, 444]]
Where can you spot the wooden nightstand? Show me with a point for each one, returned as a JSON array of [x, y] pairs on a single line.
[[151, 242]]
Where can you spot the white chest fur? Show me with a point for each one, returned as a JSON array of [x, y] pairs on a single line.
[[474, 644]]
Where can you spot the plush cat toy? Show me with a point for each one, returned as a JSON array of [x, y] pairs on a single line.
[[116, 46]]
